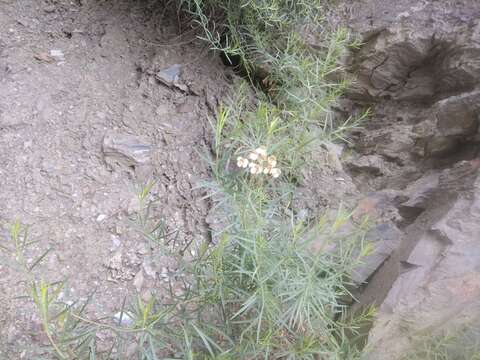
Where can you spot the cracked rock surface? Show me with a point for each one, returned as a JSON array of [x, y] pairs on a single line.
[[418, 69]]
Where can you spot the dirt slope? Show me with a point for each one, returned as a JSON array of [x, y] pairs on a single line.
[[70, 74], [99, 97]]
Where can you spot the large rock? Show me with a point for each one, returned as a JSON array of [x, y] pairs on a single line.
[[418, 69], [458, 115], [440, 286], [414, 50]]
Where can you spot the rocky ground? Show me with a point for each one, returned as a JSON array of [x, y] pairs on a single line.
[[99, 98], [418, 162]]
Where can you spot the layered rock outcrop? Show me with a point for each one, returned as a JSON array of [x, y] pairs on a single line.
[[418, 69]]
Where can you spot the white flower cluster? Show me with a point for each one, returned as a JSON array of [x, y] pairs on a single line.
[[258, 162]]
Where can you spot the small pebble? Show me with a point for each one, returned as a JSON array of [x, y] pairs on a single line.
[[49, 9], [57, 54], [101, 217], [115, 243]]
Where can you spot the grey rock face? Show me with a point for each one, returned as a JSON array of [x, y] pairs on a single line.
[[419, 70], [458, 115], [420, 192], [440, 287], [385, 238]]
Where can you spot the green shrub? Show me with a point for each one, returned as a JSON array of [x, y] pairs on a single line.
[[270, 39], [257, 291]]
